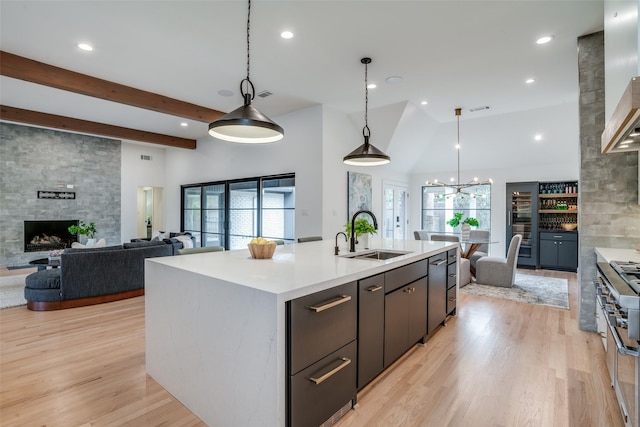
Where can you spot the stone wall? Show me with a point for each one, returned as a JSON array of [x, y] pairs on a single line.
[[35, 159], [608, 203]]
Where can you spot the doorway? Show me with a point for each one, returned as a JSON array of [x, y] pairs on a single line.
[[150, 210], [394, 219]]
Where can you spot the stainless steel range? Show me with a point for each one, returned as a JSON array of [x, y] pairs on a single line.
[[618, 295]]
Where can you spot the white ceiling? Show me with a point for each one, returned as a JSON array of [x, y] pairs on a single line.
[[451, 53]]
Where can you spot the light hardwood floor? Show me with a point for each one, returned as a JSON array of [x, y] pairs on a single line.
[[498, 363]]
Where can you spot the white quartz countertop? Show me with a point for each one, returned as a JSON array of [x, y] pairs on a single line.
[[613, 254], [300, 269]]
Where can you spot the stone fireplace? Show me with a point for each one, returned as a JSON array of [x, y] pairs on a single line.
[[36, 160], [48, 235]]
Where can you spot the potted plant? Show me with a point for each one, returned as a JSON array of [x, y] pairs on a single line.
[[362, 229], [465, 224], [83, 229]]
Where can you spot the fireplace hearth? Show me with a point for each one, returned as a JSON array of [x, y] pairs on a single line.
[[48, 235]]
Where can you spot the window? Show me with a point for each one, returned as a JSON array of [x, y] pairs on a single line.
[[438, 207], [231, 213]]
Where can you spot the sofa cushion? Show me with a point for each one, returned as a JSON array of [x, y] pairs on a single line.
[[45, 279], [142, 244], [87, 250]]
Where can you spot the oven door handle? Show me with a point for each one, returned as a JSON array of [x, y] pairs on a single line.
[[622, 349]]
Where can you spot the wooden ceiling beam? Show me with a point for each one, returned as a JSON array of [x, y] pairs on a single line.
[[29, 70], [13, 114]]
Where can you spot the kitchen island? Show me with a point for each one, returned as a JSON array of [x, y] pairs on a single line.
[[216, 323]]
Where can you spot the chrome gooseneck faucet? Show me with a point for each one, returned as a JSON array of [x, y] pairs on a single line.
[[352, 243], [346, 239]]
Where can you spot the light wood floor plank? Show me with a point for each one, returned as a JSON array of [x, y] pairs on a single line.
[[498, 363]]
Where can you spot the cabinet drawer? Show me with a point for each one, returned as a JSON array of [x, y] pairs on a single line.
[[319, 391], [451, 275], [452, 256], [451, 300], [370, 328], [321, 323], [545, 235], [399, 277]]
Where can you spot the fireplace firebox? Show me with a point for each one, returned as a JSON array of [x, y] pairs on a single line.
[[48, 235]]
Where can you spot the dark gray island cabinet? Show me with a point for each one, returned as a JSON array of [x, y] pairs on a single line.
[[340, 339], [289, 341]]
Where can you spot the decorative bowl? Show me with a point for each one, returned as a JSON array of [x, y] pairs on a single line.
[[570, 227], [262, 251]]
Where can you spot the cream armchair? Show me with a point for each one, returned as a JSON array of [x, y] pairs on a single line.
[[496, 271]]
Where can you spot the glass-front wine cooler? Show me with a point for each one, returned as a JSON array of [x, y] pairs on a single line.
[[522, 218]]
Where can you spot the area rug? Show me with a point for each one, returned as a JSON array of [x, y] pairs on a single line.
[[12, 291], [529, 289]]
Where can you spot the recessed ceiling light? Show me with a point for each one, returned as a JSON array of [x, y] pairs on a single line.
[[424, 103], [372, 86], [184, 124], [529, 81], [225, 92], [538, 137], [286, 35], [85, 46], [394, 80], [544, 40]]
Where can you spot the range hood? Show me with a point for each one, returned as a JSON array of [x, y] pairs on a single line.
[[622, 132]]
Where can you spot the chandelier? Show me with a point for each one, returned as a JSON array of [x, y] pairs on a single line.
[[455, 183]]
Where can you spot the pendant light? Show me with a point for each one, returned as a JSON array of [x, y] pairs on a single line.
[[455, 184], [366, 154], [246, 124]]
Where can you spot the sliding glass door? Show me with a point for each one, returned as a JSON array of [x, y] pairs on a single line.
[[231, 213]]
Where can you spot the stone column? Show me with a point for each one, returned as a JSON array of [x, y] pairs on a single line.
[[609, 215]]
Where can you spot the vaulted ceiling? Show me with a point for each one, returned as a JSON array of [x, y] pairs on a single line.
[[467, 54]]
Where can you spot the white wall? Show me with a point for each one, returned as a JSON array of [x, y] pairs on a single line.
[[316, 140], [622, 48], [300, 152], [340, 138], [138, 173]]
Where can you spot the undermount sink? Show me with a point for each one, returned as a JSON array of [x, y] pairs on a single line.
[[377, 254]]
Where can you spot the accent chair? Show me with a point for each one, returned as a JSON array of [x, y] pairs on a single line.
[[309, 239], [421, 235], [483, 250], [189, 251], [496, 271]]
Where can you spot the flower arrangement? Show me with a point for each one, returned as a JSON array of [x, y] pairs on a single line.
[[84, 229], [457, 220], [361, 226]]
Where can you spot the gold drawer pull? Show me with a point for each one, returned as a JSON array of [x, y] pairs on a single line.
[[331, 303], [374, 288], [452, 275], [345, 361], [439, 261]]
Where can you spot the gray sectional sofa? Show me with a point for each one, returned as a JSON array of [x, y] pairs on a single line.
[[93, 276]]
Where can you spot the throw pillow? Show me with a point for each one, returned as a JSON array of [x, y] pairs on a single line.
[[99, 244], [160, 235]]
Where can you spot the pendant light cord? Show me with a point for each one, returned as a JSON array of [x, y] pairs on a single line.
[[248, 82], [366, 101], [458, 112]]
